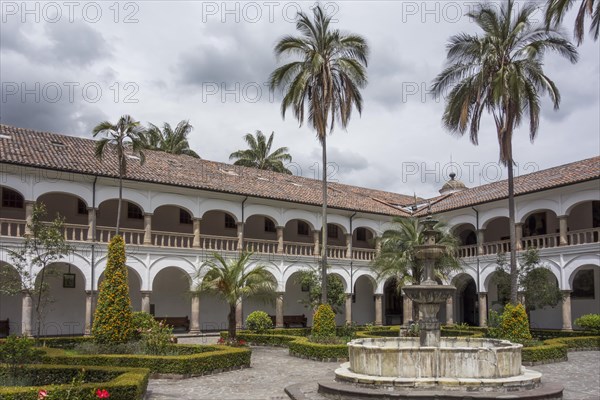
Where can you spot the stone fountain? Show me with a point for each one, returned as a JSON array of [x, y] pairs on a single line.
[[431, 366]]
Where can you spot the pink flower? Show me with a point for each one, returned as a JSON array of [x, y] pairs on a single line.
[[42, 394], [102, 394]]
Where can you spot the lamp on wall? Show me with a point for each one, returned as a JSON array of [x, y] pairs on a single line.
[[69, 279]]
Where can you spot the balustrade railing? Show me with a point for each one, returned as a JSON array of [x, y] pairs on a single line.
[[170, 239], [131, 236], [261, 246], [541, 241], [336, 251], [363, 254], [219, 243], [299, 249], [467, 251], [583, 236], [75, 233], [12, 227]]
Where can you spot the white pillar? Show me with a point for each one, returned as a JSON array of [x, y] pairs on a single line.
[[26, 315], [519, 235], [482, 309], [279, 310], [450, 310], [91, 223], [195, 318], [480, 241], [563, 229], [146, 301], [28, 216], [348, 245], [147, 229], [238, 315], [378, 309], [317, 250], [566, 311], [196, 223], [240, 236], [88, 313], [280, 240], [348, 308]]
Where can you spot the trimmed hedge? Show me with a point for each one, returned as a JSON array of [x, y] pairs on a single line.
[[203, 360], [121, 383], [543, 334], [556, 349], [302, 347]]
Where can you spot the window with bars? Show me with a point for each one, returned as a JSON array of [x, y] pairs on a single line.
[[302, 228], [11, 199], [184, 217], [269, 225], [134, 212], [230, 222]]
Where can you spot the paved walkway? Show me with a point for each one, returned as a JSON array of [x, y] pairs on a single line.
[[272, 370]]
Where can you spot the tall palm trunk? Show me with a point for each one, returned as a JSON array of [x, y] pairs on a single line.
[[120, 201], [231, 319], [324, 225], [513, 239]]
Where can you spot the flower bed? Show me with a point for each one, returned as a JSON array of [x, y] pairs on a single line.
[[195, 360], [119, 383]]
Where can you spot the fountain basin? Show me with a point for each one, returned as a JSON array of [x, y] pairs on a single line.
[[464, 358]]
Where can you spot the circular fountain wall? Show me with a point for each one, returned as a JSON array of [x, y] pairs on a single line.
[[472, 358]]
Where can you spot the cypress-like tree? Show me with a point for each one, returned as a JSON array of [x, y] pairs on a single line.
[[113, 319]]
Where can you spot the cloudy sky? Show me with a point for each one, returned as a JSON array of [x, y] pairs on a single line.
[[64, 67]]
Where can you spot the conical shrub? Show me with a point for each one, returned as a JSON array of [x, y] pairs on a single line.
[[113, 319]]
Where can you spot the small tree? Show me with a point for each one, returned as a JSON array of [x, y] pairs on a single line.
[[536, 281], [113, 319], [233, 280], [324, 322], [44, 245], [311, 279]]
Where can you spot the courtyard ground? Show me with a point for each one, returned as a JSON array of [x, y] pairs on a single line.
[[272, 370]]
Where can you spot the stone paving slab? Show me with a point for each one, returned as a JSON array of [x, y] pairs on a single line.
[[273, 370]]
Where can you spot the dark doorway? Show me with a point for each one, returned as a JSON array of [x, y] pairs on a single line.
[[393, 303]]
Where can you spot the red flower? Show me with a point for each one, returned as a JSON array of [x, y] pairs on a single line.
[[102, 394], [42, 394]]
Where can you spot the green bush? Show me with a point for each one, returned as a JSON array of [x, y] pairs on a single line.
[[142, 321], [16, 351], [347, 331], [589, 322], [324, 322], [263, 339], [259, 322], [304, 348], [113, 319], [543, 334], [193, 359], [514, 324], [121, 383], [544, 353]]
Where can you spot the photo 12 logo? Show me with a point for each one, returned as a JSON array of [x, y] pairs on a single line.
[[71, 92], [54, 11], [253, 12]]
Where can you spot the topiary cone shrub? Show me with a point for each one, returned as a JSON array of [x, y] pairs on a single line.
[[259, 322], [324, 322], [515, 324], [113, 319]]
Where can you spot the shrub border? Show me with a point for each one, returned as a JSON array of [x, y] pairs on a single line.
[[555, 350], [214, 359], [130, 381]]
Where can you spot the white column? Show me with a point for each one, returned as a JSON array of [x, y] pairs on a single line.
[[279, 310], [566, 311], [196, 223], [562, 225], [26, 315], [195, 318], [482, 309], [146, 301], [91, 223], [519, 235], [348, 245], [480, 241], [348, 308], [28, 216], [450, 310], [240, 236], [280, 240], [88, 313], [378, 309], [147, 229], [317, 250], [238, 315]]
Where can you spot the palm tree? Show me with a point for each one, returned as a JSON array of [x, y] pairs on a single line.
[[556, 10], [324, 84], [233, 280], [169, 140], [398, 256], [258, 155], [125, 134], [500, 72]]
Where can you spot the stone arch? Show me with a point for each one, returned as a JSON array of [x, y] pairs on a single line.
[[10, 304], [234, 209], [309, 217], [340, 221], [373, 226], [571, 200], [363, 299], [534, 206], [295, 296], [465, 299], [107, 193], [181, 263], [17, 185], [171, 295], [462, 219], [214, 224], [485, 217], [584, 282], [393, 303], [265, 211], [188, 203]]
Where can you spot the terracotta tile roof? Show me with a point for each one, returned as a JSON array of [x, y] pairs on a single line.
[[75, 154], [567, 174]]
